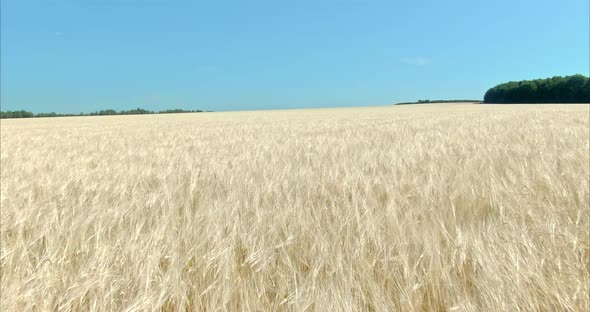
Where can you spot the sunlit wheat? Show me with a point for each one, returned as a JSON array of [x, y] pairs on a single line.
[[423, 207]]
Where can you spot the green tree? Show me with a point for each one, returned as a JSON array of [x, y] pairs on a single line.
[[16, 114], [569, 89]]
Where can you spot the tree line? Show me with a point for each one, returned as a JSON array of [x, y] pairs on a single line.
[[438, 101], [105, 112], [568, 89]]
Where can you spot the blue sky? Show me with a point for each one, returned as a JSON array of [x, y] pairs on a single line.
[[85, 55]]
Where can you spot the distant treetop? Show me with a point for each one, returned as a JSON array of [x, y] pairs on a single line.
[[438, 101], [568, 89], [104, 112]]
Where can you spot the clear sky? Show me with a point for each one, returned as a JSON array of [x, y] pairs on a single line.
[[85, 55]]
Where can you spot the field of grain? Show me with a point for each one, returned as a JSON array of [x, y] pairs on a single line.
[[458, 207]]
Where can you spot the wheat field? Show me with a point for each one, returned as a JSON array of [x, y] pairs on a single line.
[[449, 207]]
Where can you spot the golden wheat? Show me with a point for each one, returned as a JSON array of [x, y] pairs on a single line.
[[458, 207]]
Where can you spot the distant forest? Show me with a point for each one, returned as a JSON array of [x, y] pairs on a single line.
[[106, 112], [438, 101], [568, 89]]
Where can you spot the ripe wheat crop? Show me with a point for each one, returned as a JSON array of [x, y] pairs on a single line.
[[457, 207]]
